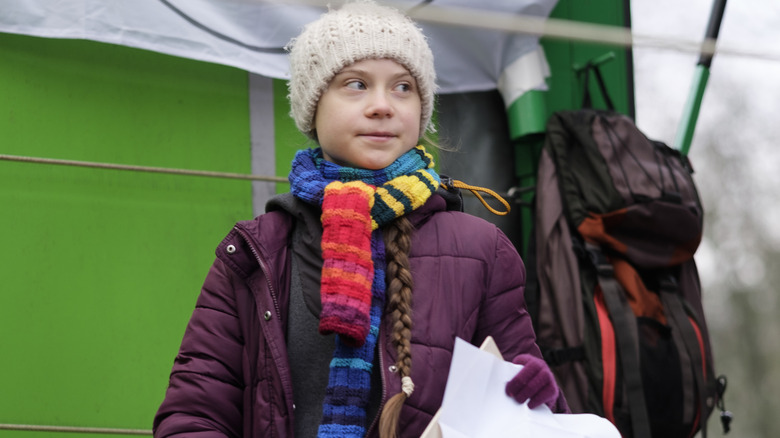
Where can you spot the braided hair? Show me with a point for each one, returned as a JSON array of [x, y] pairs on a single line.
[[398, 238]]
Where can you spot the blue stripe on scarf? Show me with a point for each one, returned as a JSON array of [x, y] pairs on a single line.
[[355, 363], [347, 411], [338, 430]]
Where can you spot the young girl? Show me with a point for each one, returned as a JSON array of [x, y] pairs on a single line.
[[335, 313]]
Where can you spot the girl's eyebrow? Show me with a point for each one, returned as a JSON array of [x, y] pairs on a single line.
[[362, 72]]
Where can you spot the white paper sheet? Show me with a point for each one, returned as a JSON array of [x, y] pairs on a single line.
[[476, 406]]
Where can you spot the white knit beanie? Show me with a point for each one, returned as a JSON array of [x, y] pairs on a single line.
[[357, 31]]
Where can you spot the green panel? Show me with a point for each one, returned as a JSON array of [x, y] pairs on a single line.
[[431, 140], [565, 86], [101, 268], [288, 139], [528, 115]]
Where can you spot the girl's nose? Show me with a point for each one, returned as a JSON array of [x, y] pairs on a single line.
[[379, 105]]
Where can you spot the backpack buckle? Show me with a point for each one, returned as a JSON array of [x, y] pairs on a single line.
[[599, 260], [559, 356]]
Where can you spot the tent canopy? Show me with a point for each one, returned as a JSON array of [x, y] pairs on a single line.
[[251, 35]]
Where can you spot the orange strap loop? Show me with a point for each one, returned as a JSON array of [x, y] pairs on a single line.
[[476, 189]]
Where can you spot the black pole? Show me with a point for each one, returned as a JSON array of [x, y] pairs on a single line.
[[691, 110], [713, 28]]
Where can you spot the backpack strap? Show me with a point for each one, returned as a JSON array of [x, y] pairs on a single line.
[[531, 293], [673, 303], [587, 101], [627, 341]]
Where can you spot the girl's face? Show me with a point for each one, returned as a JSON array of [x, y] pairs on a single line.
[[369, 115]]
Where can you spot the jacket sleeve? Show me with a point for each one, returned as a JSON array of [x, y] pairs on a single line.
[[205, 392], [503, 314]]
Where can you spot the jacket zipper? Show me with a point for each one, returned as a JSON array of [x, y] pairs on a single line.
[[271, 291], [265, 271]]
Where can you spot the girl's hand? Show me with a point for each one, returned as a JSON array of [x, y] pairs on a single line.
[[535, 382]]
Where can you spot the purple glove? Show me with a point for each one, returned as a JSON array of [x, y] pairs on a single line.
[[535, 382]]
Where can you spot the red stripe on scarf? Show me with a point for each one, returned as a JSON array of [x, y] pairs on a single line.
[[347, 270]]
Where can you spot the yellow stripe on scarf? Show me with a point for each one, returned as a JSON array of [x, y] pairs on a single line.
[[416, 190]]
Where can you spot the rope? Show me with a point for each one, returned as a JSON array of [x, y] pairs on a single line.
[[207, 173], [553, 28], [141, 168], [70, 429], [476, 189]]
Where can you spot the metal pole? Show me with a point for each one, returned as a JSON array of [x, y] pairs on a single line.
[[701, 75], [71, 429]]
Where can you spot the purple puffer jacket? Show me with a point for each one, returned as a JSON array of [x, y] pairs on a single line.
[[232, 378]]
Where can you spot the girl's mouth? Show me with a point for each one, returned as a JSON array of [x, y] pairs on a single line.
[[379, 136]]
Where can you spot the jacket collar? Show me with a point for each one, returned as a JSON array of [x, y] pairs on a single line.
[[267, 234]]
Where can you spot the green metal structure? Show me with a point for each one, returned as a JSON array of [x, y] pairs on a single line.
[[528, 115]]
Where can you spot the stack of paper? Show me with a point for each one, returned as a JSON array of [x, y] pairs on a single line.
[[476, 406]]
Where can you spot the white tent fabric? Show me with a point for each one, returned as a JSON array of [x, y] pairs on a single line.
[[250, 35]]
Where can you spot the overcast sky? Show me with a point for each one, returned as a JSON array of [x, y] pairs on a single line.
[[736, 157], [663, 77], [663, 80]]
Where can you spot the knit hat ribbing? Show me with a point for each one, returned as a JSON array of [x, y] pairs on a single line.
[[357, 31]]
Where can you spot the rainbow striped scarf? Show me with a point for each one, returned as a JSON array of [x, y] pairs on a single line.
[[356, 203]]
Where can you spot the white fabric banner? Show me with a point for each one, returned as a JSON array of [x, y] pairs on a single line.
[[251, 35]]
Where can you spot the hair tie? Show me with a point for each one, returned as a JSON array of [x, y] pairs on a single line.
[[407, 386]]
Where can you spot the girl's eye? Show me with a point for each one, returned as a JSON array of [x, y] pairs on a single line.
[[404, 88], [356, 85]]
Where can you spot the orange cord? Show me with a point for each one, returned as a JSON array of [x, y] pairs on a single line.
[[476, 189]]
